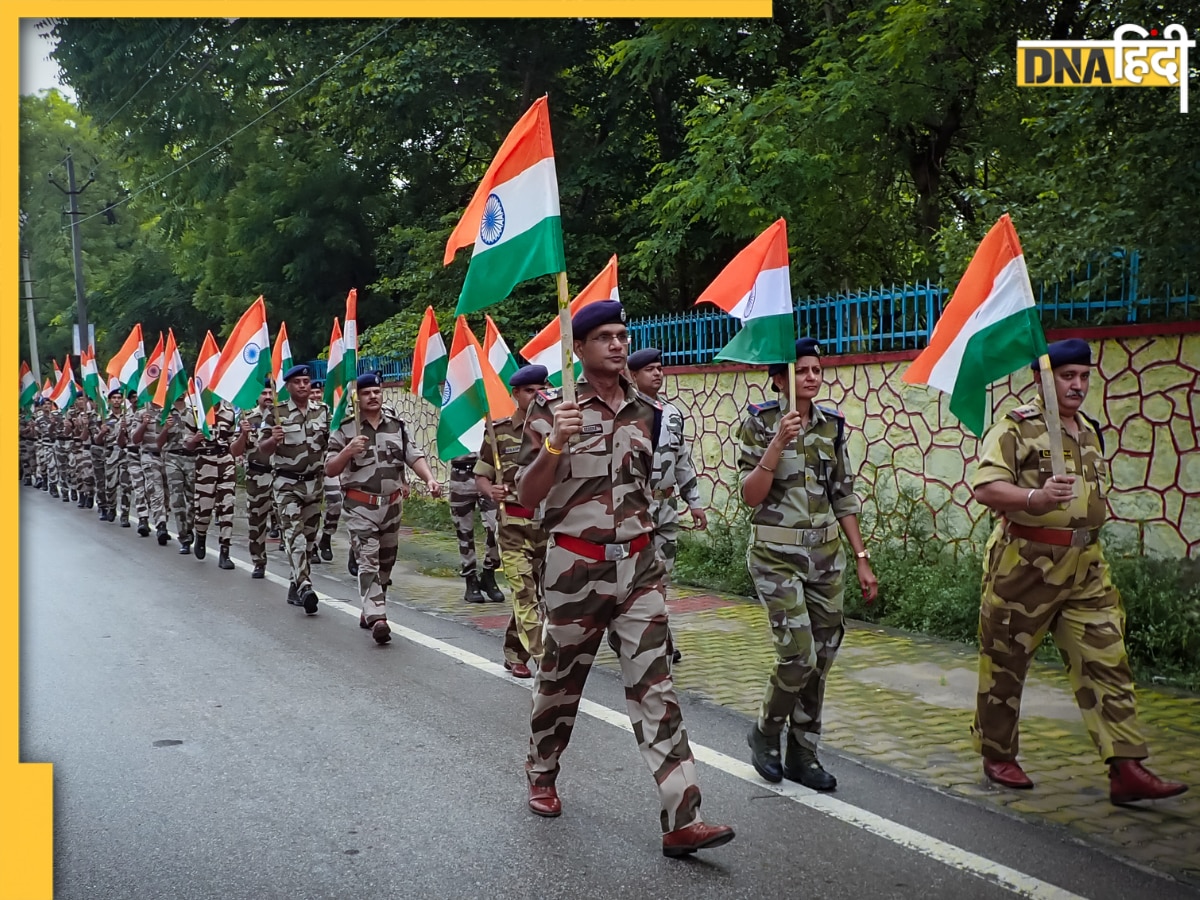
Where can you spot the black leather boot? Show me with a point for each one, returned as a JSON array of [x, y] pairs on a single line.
[[489, 586]]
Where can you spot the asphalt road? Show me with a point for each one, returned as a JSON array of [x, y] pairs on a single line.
[[210, 741]]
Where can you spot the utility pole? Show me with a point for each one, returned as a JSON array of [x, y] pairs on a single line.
[[76, 245], [33, 348]]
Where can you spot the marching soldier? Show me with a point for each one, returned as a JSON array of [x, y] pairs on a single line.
[[260, 478], [602, 572], [62, 432], [1045, 572], [44, 427], [85, 475], [116, 464], [27, 446], [464, 500], [797, 481], [369, 459], [296, 444], [674, 473], [180, 464], [154, 476], [216, 480], [103, 438], [332, 489], [522, 539]]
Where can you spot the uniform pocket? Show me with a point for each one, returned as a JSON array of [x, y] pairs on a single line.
[[293, 435]]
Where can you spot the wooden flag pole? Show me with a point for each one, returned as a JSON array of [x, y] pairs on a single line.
[[491, 432], [1053, 423], [567, 338], [792, 389]]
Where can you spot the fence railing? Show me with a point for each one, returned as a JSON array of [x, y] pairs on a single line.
[[393, 368]]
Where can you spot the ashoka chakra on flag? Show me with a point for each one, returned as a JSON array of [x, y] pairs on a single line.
[[491, 226], [250, 353]]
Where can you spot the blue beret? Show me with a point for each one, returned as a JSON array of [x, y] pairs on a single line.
[[300, 371], [316, 382], [602, 312], [527, 375], [805, 346], [370, 379], [644, 357], [1071, 352]]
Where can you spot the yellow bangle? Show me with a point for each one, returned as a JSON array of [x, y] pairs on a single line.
[[550, 449]]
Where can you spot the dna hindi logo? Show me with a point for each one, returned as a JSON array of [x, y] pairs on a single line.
[[491, 226], [250, 353], [1134, 57]]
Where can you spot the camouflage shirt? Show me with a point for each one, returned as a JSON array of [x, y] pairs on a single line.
[[1017, 450], [813, 486], [509, 435], [379, 469], [150, 437], [305, 436], [674, 473], [601, 491], [180, 425], [221, 431], [257, 418]]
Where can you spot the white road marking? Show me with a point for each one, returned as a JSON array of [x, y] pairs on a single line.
[[909, 838]]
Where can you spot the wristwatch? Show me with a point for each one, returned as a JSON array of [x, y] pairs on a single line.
[[863, 554]]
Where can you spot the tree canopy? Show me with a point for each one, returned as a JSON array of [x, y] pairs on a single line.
[[300, 158]]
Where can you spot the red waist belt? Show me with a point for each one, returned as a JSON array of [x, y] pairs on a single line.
[[602, 552], [1060, 537], [519, 512], [375, 500]]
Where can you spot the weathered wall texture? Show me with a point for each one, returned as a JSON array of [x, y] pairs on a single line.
[[1145, 392]]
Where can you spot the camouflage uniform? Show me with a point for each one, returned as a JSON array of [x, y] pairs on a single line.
[[26, 448], [464, 498], [601, 495], [116, 468], [98, 451], [796, 560], [216, 476], [334, 504], [154, 475], [85, 475], [260, 500], [298, 462], [133, 465], [522, 543], [674, 478], [180, 464], [1031, 589], [372, 483], [63, 462], [44, 428]]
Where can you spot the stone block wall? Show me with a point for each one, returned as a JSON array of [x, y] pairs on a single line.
[[1145, 392]]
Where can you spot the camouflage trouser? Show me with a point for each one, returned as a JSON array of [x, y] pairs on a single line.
[[523, 550], [299, 506], [84, 474], [63, 464], [26, 455], [215, 484], [98, 455], [1031, 590], [803, 590], [666, 531], [464, 498], [45, 462], [583, 598], [375, 532], [181, 481], [137, 483], [154, 484], [260, 506], [116, 475], [333, 505], [514, 650]]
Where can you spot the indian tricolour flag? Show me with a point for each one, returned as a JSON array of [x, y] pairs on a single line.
[[29, 389], [472, 390], [173, 383], [196, 401], [126, 366], [150, 373], [350, 336], [513, 219], [336, 393], [93, 387], [244, 367], [281, 361], [989, 329], [63, 394], [498, 355], [546, 348], [429, 360], [756, 288], [206, 367]]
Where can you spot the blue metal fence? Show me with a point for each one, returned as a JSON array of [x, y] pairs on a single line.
[[393, 368]]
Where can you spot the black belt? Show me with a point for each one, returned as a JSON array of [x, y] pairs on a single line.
[[296, 476], [259, 468], [215, 450], [188, 453], [463, 467], [152, 452]]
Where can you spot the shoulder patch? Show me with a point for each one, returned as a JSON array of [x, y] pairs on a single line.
[[829, 411], [548, 396], [1021, 413], [756, 408], [505, 421]]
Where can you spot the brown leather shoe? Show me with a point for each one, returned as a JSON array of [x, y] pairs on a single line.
[[1130, 781], [519, 670], [381, 631], [543, 801], [697, 836], [1008, 773]]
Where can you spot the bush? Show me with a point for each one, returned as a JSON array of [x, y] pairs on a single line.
[[429, 513], [1162, 605]]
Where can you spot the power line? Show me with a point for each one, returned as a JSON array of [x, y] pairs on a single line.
[[145, 83], [253, 122]]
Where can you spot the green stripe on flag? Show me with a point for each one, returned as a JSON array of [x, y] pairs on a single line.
[[763, 340], [458, 417], [494, 273], [991, 354]]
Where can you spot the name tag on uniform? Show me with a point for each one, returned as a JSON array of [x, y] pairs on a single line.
[[591, 429], [1045, 454], [507, 451]]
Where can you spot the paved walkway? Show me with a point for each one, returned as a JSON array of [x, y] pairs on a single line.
[[894, 701]]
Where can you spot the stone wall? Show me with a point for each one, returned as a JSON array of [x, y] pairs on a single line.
[[1145, 392]]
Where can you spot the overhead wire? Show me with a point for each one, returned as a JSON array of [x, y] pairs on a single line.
[[145, 83], [249, 124]]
